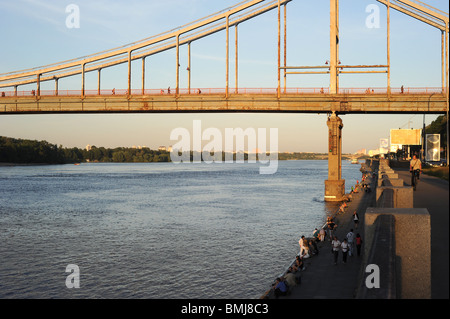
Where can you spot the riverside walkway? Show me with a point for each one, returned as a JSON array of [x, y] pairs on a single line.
[[324, 280]]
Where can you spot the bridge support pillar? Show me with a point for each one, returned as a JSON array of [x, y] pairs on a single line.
[[334, 185]]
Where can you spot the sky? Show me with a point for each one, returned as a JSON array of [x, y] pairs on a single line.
[[36, 34]]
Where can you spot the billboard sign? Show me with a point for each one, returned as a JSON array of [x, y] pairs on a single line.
[[384, 146], [406, 137]]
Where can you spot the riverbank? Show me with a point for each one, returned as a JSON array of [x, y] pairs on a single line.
[[26, 164]]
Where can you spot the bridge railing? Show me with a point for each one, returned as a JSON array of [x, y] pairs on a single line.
[[384, 90], [198, 91]]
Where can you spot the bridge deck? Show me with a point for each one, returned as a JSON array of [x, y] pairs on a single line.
[[434, 102]]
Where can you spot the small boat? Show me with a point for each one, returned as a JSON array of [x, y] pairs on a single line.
[[355, 161]]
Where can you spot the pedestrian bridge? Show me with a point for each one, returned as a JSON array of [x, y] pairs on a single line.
[[300, 100]]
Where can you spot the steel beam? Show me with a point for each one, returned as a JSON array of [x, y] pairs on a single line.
[[389, 46], [227, 55], [443, 60], [309, 72], [334, 45], [189, 68], [236, 57], [143, 76], [129, 74], [82, 79], [98, 81], [447, 90], [279, 50], [177, 89], [285, 43], [364, 72], [38, 85]]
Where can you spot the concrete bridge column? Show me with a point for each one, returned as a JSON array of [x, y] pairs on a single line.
[[334, 185]]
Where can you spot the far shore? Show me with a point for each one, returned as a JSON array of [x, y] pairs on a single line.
[[3, 164], [27, 164]]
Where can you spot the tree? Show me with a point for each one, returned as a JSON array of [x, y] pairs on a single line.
[[118, 157]]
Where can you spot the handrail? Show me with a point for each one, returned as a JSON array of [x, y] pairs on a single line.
[[209, 91]]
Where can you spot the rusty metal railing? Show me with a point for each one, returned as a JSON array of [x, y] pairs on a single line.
[[206, 91]]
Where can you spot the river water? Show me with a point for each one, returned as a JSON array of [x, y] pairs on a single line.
[[156, 230]]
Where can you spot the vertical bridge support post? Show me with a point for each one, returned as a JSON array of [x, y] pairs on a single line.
[[335, 185], [334, 46]]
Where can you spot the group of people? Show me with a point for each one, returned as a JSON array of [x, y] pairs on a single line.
[[198, 91], [292, 278], [365, 184], [308, 248], [354, 189], [342, 207], [347, 246]]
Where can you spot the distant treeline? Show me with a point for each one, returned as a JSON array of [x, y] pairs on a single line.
[[27, 151], [32, 152]]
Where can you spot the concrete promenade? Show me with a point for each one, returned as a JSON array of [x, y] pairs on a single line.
[[324, 280]]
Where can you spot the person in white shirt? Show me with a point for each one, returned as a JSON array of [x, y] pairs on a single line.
[[336, 244], [415, 165], [345, 248], [355, 219], [322, 234], [301, 242]]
